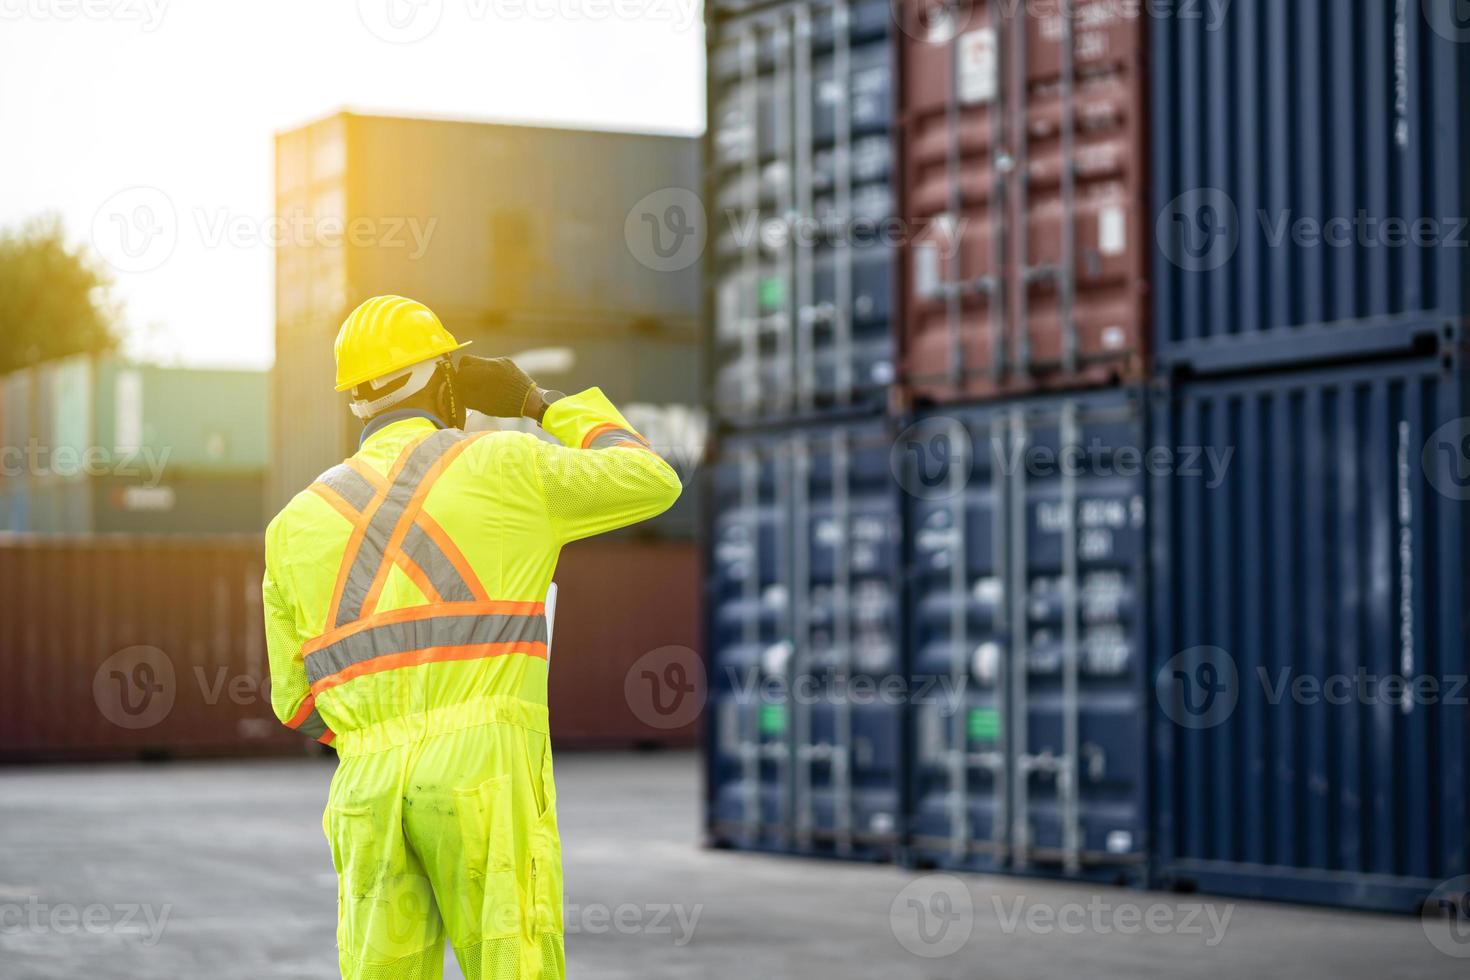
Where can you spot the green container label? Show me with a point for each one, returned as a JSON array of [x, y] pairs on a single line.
[[772, 293], [984, 725], [773, 719]]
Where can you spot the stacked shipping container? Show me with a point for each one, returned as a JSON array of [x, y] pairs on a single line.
[[95, 445], [1022, 141], [1311, 612], [1182, 404], [1023, 147], [799, 182], [1027, 557], [802, 593], [1311, 620], [803, 606], [1309, 186]]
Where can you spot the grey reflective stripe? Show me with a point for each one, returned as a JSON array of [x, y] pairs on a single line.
[[349, 485], [425, 552], [420, 634], [615, 437], [313, 726], [369, 557]]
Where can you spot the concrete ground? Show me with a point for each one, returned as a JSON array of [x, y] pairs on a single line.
[[219, 871]]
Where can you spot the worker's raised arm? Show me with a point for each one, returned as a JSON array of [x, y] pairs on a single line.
[[604, 475], [291, 696]]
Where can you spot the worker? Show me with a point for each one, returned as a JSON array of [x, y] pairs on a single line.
[[404, 604]]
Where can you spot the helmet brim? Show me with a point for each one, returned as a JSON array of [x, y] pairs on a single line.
[[351, 383]]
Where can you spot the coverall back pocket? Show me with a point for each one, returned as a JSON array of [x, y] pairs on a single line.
[[485, 818], [355, 850]]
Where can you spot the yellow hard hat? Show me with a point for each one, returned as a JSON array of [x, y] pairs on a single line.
[[387, 334]]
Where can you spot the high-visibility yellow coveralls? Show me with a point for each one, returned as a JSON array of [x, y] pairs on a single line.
[[404, 608]]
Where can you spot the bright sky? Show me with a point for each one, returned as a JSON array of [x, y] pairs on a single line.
[[100, 97]]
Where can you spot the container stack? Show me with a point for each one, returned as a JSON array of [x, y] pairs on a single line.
[[1023, 333], [1178, 439], [98, 445], [1310, 300], [802, 594]]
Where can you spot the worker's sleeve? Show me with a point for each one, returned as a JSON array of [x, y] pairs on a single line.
[[291, 696], [604, 475]]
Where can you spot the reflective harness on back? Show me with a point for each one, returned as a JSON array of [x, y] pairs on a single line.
[[459, 622]]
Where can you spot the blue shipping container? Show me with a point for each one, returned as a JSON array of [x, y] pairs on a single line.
[[799, 193], [804, 750], [1311, 624], [1027, 555], [1310, 185]]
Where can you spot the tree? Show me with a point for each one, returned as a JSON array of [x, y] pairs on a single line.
[[54, 300]]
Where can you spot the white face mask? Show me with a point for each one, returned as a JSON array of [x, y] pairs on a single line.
[[419, 376]]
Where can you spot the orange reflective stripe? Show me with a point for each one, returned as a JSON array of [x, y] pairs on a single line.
[[335, 499], [367, 473], [415, 574], [410, 514], [456, 557], [303, 712], [417, 577], [597, 431], [415, 658], [310, 722], [361, 525]]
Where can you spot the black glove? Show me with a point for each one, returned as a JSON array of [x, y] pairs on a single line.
[[494, 385]]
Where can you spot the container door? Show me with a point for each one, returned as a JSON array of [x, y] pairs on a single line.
[[1309, 637], [748, 611], [799, 164], [805, 746], [847, 721], [954, 473], [1026, 251], [1028, 557], [1076, 684]]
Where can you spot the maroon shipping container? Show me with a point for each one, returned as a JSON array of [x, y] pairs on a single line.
[[624, 608], [122, 646], [127, 646], [1023, 186]]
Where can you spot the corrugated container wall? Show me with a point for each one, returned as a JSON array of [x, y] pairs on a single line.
[[511, 224], [623, 609], [798, 183], [804, 749], [1310, 186], [1027, 558], [108, 446], [1027, 238], [499, 230], [133, 646], [1311, 624]]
